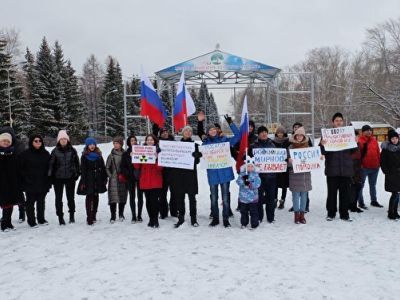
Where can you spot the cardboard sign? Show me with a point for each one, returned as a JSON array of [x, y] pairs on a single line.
[[144, 154], [306, 159], [216, 156], [270, 160], [338, 139], [176, 155]]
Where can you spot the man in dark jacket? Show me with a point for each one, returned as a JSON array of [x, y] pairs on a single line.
[[268, 180], [339, 172], [19, 147]]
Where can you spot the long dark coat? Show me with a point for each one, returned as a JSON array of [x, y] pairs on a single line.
[[282, 179], [184, 181], [390, 164], [93, 176], [117, 191], [33, 168], [10, 188]]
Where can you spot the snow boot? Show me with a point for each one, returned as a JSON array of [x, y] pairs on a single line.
[[301, 218], [296, 217], [281, 204], [226, 223], [61, 220], [376, 204], [181, 220], [214, 222], [21, 217], [71, 218]]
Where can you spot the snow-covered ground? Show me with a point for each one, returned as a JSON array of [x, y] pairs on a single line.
[[320, 260]]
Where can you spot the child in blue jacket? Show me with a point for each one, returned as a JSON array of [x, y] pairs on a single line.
[[248, 182]]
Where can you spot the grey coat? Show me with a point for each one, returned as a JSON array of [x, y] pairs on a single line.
[[117, 191], [299, 182]]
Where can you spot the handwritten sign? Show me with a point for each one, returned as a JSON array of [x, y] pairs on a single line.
[[270, 160], [144, 154], [305, 159], [216, 156], [340, 138], [176, 155]]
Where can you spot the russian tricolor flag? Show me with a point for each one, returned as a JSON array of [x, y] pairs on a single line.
[[151, 104], [184, 105], [244, 136]]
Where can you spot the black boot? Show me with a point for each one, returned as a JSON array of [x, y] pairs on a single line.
[[61, 220], [391, 212], [281, 204], [113, 210], [214, 222], [71, 218], [193, 221], [226, 223], [181, 220], [21, 217]]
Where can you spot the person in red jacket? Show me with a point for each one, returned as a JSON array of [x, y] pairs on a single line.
[[370, 163], [151, 183]]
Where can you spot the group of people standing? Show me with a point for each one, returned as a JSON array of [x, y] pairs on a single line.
[[27, 176]]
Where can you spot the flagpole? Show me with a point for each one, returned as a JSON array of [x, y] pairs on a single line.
[[246, 161]]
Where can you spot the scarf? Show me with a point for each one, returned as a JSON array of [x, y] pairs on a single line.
[[7, 151], [390, 147], [92, 156]]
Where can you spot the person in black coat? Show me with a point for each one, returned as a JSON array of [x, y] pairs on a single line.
[[33, 166], [132, 173], [164, 135], [19, 147], [64, 172], [10, 189], [390, 164], [93, 178], [281, 140], [184, 181]]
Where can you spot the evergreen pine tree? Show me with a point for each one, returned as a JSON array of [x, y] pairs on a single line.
[[59, 86]]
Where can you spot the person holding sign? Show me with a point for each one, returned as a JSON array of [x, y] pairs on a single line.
[[299, 183], [219, 177], [132, 174], [339, 172], [184, 181], [151, 182], [267, 189]]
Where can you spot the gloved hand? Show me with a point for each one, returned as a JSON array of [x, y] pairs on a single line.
[[197, 154], [228, 119], [158, 149], [247, 182]]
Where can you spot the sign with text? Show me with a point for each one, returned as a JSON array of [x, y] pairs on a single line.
[[270, 160], [216, 156], [144, 154], [340, 138], [306, 159], [176, 155]]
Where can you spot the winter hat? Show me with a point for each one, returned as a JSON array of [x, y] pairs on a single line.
[[6, 136], [187, 128], [337, 115], [62, 134], [262, 128], [211, 126], [301, 131], [366, 128], [248, 161], [163, 130], [90, 141], [252, 124], [297, 124], [119, 140], [280, 129], [392, 133]]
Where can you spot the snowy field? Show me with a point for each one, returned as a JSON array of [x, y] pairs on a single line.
[[320, 260]]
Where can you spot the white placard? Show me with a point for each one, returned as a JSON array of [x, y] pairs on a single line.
[[216, 156], [176, 155], [270, 160], [144, 154], [340, 138], [306, 159]]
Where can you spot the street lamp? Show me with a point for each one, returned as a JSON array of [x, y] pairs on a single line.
[[9, 93], [105, 110]]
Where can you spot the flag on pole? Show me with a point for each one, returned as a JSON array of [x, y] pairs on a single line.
[[244, 136], [150, 103], [184, 105]]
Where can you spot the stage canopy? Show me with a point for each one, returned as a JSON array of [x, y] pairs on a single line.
[[219, 67]]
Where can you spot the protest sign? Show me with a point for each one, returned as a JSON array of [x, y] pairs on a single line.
[[144, 154], [270, 160], [216, 156], [176, 155], [340, 138], [306, 159]]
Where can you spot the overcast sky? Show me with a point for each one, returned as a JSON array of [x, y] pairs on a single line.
[[161, 33]]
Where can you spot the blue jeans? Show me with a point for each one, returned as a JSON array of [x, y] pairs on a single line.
[[372, 175], [299, 201], [225, 200]]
